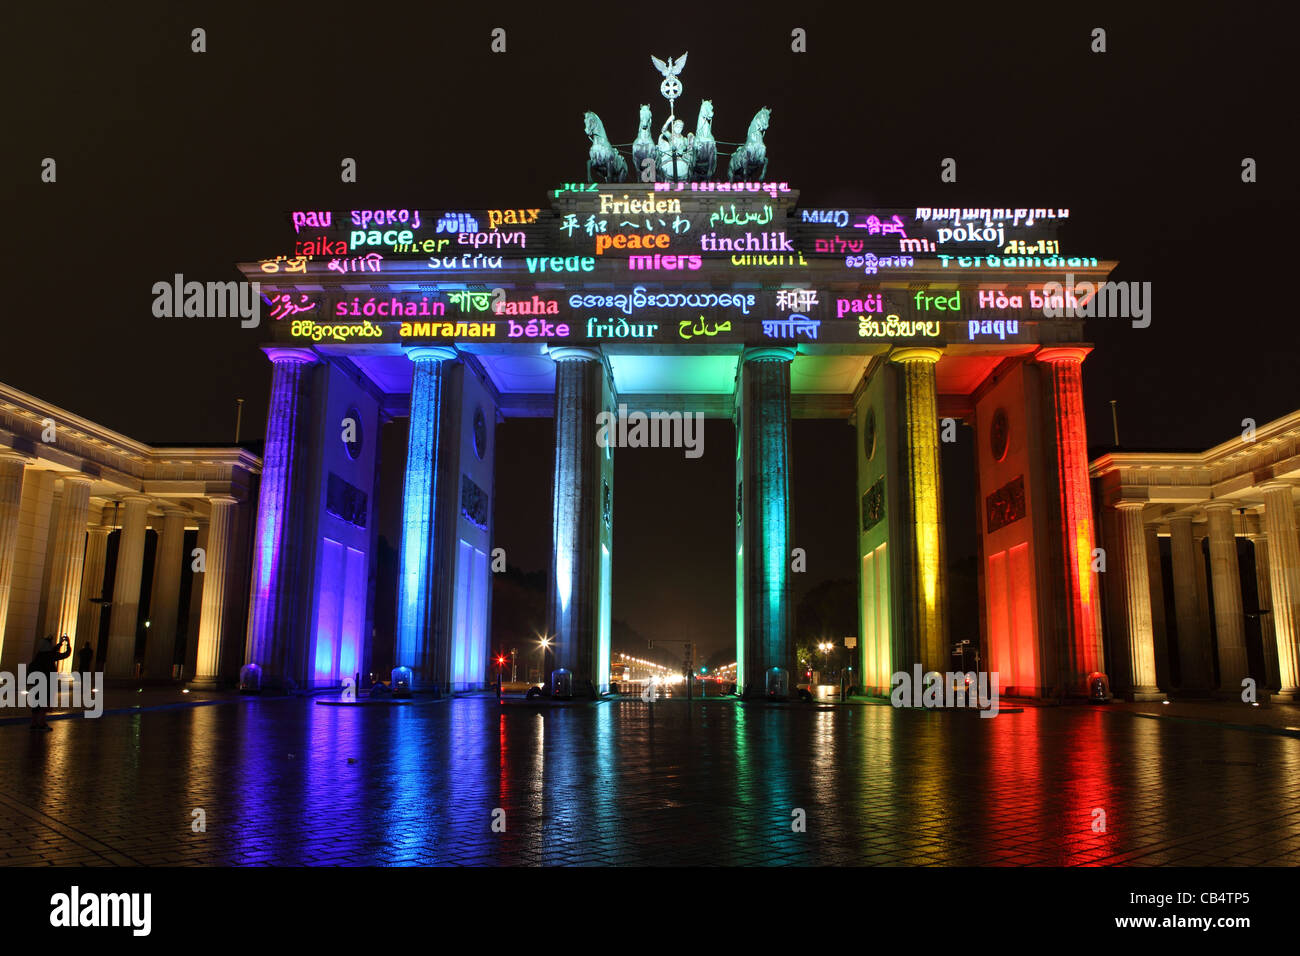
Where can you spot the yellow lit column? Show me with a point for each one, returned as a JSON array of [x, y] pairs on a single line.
[[213, 622], [125, 612], [1137, 603], [1159, 629], [1229, 619], [11, 499], [160, 646], [1284, 578], [1263, 603], [92, 587], [924, 567], [67, 556]]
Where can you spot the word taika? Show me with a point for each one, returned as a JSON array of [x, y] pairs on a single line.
[[213, 300], [656, 430], [953, 689]]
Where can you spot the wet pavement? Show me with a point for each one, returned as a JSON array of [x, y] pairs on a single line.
[[288, 781]]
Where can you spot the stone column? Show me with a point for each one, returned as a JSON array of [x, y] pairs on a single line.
[[1264, 605], [765, 516], [1136, 589], [416, 598], [125, 611], [924, 565], [1159, 630], [1284, 583], [214, 623], [11, 499], [160, 646], [196, 605], [92, 587], [1084, 647], [67, 560], [574, 590], [1229, 619], [1195, 672], [276, 624]]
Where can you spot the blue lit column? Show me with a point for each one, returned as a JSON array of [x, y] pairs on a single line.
[[415, 611], [578, 592], [277, 624], [763, 431]]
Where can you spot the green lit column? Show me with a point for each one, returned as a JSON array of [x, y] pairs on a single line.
[[924, 565], [763, 497]]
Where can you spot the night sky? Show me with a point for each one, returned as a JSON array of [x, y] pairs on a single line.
[[171, 161]]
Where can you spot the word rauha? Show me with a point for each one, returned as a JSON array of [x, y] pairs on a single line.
[[1122, 300], [72, 909], [47, 690], [665, 430], [962, 690], [213, 300]]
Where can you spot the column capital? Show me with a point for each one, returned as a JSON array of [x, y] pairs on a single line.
[[76, 477], [573, 353], [430, 353], [1130, 504], [1220, 506], [916, 354], [1062, 353], [279, 353], [220, 496], [1274, 484], [769, 353], [136, 497], [8, 454]]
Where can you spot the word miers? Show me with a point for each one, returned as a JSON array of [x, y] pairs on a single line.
[[953, 689], [215, 300], [39, 689], [1123, 300], [656, 430]]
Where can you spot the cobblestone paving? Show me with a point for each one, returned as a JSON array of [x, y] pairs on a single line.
[[293, 782]]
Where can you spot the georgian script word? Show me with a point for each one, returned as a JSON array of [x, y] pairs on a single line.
[[218, 300], [391, 307], [385, 217], [620, 241], [316, 331], [628, 206], [990, 216], [497, 239], [996, 327], [963, 690], [511, 217], [772, 189], [316, 220], [622, 329], [1124, 300], [557, 264], [666, 430], [790, 327], [664, 300], [664, 262], [770, 242], [893, 327]]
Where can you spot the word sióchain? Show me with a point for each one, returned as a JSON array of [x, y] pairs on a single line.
[[656, 430]]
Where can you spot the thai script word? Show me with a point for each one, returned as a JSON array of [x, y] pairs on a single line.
[[622, 329], [316, 220], [385, 217], [667, 430], [367, 263], [838, 217], [1124, 300], [770, 242], [990, 216], [307, 329], [996, 327], [701, 328], [663, 300], [497, 239], [1020, 262], [772, 189], [457, 222], [218, 300], [466, 262], [967, 689], [557, 264], [511, 217], [788, 328], [894, 327], [620, 241], [801, 299], [664, 262], [628, 206], [394, 307], [872, 303]]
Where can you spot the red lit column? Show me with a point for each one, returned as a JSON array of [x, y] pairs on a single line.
[[1083, 618]]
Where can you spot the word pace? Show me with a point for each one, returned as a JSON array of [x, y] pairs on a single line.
[[656, 430], [962, 690]]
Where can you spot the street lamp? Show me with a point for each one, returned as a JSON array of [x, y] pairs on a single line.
[[545, 643]]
